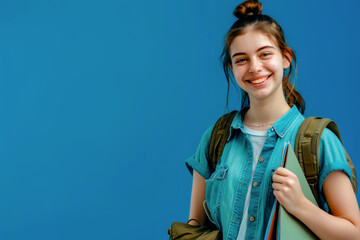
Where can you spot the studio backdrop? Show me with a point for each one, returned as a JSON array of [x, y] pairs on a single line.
[[101, 102]]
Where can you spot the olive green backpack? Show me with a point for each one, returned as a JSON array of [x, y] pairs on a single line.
[[306, 147]]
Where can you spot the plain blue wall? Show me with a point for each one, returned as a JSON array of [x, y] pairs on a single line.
[[102, 101]]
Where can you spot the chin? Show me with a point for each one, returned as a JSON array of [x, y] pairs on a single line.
[[264, 94]]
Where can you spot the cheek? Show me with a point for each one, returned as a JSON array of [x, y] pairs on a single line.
[[277, 68], [239, 73]]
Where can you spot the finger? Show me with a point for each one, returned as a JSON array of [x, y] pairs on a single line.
[[277, 186], [282, 171], [279, 178], [289, 181], [278, 195]]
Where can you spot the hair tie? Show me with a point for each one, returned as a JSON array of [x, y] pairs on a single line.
[[250, 13]]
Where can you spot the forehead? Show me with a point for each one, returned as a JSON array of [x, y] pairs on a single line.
[[250, 42]]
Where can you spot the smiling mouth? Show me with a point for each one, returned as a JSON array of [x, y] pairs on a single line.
[[258, 81]]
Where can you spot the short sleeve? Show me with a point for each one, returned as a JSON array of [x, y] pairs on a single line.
[[199, 161], [332, 157]]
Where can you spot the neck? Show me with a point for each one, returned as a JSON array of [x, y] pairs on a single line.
[[266, 111]]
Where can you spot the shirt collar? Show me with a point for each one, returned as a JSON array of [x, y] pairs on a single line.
[[281, 126]]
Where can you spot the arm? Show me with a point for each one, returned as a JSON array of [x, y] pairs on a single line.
[[197, 197], [344, 223]]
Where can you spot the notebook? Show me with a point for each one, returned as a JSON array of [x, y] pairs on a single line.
[[282, 225]]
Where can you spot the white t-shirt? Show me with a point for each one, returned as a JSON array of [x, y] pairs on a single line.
[[257, 139]]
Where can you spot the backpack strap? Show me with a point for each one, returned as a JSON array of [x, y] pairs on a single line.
[[219, 138], [307, 150]]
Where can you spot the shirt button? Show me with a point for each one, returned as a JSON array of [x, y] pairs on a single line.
[[261, 159], [251, 219], [255, 184]]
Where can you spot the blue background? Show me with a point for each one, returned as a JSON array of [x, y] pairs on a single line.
[[102, 101]]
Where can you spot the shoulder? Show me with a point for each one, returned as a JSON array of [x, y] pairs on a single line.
[[330, 144], [332, 156], [329, 137], [331, 148], [205, 139], [220, 124]]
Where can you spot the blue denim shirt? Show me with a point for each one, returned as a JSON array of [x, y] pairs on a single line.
[[226, 187]]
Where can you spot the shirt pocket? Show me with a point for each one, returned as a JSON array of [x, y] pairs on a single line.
[[214, 193]]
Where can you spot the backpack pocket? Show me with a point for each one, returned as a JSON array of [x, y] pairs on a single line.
[[215, 192]]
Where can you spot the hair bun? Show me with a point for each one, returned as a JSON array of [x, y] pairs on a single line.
[[249, 7]]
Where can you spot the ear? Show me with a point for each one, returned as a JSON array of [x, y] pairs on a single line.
[[287, 58], [230, 66]]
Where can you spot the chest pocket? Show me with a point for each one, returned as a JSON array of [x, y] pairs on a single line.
[[215, 192]]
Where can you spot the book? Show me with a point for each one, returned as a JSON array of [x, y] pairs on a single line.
[[283, 225]]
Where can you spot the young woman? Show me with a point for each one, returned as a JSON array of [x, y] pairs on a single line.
[[242, 190]]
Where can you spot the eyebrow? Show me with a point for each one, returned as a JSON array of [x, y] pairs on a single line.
[[241, 53]]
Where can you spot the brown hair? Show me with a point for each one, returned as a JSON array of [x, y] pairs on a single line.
[[250, 18]]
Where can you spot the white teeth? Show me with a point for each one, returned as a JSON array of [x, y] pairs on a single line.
[[259, 80]]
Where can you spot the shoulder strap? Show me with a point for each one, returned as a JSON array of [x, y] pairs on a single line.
[[218, 139], [307, 150]]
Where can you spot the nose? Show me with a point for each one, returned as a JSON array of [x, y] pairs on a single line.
[[255, 65]]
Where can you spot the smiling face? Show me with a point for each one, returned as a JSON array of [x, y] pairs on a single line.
[[258, 66]]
